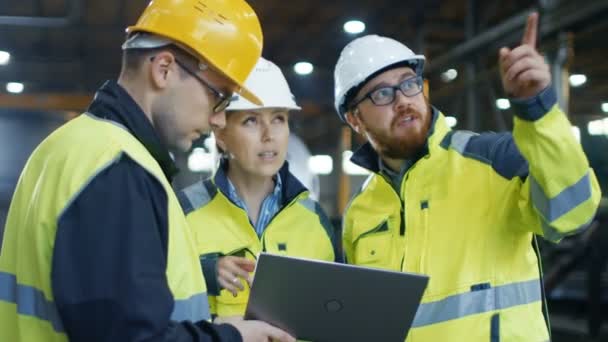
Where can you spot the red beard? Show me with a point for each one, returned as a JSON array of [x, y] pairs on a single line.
[[405, 146]]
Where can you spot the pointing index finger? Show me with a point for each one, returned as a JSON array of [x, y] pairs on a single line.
[[531, 31]]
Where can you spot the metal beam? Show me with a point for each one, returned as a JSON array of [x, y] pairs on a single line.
[[563, 17], [560, 70], [73, 15], [46, 102], [68, 75], [557, 20], [478, 42], [473, 121]]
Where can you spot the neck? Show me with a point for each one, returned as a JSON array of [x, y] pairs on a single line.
[[138, 93], [393, 164], [251, 188]]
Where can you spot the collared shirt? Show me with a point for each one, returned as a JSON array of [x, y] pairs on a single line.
[[395, 178], [270, 206]]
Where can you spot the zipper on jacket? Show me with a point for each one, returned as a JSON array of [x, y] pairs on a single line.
[[424, 208], [402, 200], [402, 220], [401, 203]]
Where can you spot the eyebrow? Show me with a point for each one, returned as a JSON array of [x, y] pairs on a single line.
[[403, 77]]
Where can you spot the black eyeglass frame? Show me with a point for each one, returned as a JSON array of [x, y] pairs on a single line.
[[417, 79], [223, 99]]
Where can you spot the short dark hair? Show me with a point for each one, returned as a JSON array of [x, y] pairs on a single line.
[[132, 59]]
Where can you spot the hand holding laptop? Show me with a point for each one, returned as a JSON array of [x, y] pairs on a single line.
[[256, 331]]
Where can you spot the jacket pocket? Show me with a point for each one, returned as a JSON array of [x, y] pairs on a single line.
[[373, 248]]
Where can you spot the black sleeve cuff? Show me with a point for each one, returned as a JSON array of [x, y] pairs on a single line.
[[209, 266], [534, 108]]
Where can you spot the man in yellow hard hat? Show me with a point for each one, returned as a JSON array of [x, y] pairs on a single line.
[[96, 246]]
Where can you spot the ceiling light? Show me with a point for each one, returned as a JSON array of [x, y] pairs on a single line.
[[14, 87], [577, 80], [503, 104], [303, 68], [210, 142], [321, 164], [354, 26], [605, 107], [200, 160], [351, 168], [449, 75], [5, 57], [598, 127], [577, 133], [451, 121]]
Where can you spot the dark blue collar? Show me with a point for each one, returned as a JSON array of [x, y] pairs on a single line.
[[112, 102]]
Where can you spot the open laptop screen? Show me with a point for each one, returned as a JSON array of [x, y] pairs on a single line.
[[323, 302]]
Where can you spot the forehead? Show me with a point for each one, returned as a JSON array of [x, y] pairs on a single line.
[[389, 77], [218, 80]]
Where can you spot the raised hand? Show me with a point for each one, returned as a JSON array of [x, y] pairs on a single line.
[[523, 70]]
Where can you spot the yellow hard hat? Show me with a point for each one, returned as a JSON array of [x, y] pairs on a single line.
[[225, 33]]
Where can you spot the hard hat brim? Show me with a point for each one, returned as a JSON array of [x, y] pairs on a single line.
[[241, 89], [251, 97]]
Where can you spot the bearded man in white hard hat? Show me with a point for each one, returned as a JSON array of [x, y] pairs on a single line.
[[458, 206]]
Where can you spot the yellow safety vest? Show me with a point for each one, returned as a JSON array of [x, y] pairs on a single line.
[[222, 228], [470, 229], [58, 170]]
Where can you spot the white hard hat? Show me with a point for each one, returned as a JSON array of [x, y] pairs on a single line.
[[364, 57], [267, 82]]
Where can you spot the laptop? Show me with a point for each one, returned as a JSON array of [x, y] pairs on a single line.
[[328, 302]]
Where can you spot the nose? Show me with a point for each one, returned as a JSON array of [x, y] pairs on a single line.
[[217, 120], [401, 101], [267, 133]]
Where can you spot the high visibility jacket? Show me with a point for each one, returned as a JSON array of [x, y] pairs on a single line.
[[58, 170], [221, 228], [465, 214]]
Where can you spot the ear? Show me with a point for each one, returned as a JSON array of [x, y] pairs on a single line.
[[353, 119], [162, 66]]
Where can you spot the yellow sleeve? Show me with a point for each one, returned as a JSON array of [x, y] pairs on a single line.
[[561, 192]]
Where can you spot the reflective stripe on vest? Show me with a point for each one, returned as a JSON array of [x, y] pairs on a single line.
[[29, 300], [476, 302], [32, 302], [564, 202], [194, 309]]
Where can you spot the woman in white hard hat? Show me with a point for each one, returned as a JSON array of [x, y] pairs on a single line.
[[253, 203]]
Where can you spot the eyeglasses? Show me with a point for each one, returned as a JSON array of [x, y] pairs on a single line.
[[223, 99], [386, 95]]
